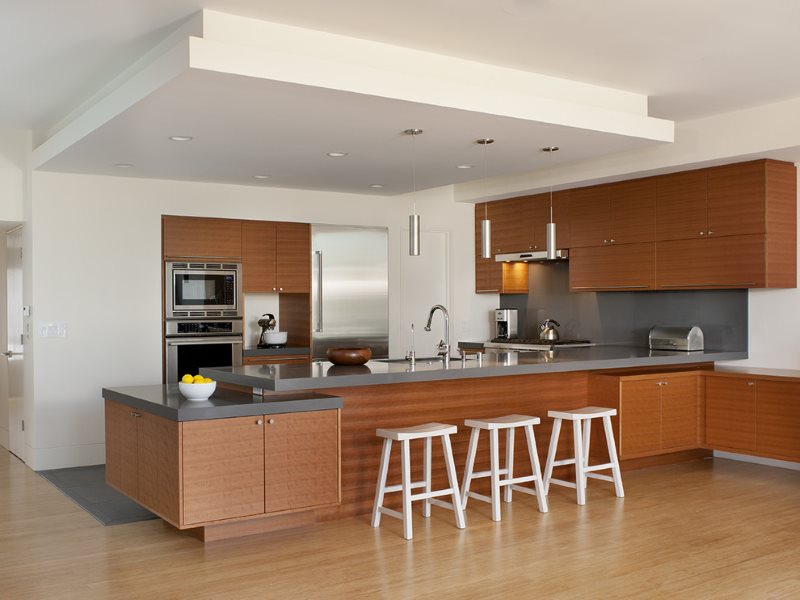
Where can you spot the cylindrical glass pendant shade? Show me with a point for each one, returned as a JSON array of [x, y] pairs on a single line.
[[413, 235]]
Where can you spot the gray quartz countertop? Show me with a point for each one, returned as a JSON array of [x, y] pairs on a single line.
[[320, 375], [166, 401]]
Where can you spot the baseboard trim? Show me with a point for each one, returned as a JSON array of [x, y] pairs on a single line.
[[42, 459], [769, 462]]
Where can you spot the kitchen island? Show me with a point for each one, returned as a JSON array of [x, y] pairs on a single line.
[[227, 474]]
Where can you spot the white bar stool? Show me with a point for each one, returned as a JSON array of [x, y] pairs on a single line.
[[403, 435], [582, 468], [509, 423]]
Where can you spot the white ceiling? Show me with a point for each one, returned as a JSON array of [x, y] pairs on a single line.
[[692, 59]]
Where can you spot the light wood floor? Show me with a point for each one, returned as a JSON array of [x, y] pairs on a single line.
[[706, 529]]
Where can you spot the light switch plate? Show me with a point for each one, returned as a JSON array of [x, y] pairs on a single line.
[[55, 329]]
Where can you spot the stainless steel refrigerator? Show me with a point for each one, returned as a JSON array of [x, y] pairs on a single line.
[[350, 289]]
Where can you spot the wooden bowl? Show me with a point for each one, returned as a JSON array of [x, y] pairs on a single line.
[[349, 356]]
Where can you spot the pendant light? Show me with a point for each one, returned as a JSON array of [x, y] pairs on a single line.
[[413, 218], [551, 226], [486, 224]]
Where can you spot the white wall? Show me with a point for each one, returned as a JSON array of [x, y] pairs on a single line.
[[15, 148], [96, 266]]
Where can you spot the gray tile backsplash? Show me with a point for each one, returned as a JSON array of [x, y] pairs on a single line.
[[626, 317]]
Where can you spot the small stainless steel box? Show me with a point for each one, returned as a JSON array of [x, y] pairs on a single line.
[[688, 339]]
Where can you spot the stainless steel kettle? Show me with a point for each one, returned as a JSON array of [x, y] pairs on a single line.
[[547, 331]]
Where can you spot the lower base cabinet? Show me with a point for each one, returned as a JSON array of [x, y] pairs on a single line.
[[731, 413], [199, 472]]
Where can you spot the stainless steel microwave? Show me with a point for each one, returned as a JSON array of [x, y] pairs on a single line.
[[202, 289]]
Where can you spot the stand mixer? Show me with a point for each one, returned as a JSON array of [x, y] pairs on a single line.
[[269, 337]]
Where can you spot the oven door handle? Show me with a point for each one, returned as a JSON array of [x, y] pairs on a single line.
[[205, 340]]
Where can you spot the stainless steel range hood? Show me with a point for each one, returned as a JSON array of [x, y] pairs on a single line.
[[540, 256]]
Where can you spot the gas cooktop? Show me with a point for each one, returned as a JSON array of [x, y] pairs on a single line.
[[535, 344]]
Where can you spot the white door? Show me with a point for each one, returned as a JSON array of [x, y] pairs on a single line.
[[14, 352], [425, 281]]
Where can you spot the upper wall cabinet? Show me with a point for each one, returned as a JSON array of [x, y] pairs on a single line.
[[681, 212], [198, 237], [492, 277], [276, 257], [618, 213], [541, 217]]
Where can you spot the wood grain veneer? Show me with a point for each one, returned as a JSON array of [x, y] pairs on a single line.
[[589, 216], [679, 408], [294, 257], [613, 267], [640, 422], [681, 208], [492, 277], [301, 458], [781, 224], [736, 199], [730, 413], [223, 469], [159, 449], [541, 217], [122, 470], [633, 211], [201, 237], [295, 313], [778, 419], [259, 259], [273, 359]]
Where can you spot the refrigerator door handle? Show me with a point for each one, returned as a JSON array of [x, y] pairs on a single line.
[[318, 255]]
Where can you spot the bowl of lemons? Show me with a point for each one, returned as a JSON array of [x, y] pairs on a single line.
[[196, 387]]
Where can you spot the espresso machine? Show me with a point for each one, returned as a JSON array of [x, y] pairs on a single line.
[[505, 323]]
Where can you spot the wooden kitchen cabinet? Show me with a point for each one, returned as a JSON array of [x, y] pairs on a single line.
[[680, 400], [737, 198], [276, 257], [541, 217], [778, 419], [731, 413], [142, 458], [223, 469], [273, 359], [681, 212], [492, 277], [589, 217], [639, 418], [618, 267], [711, 263], [301, 458], [200, 237]]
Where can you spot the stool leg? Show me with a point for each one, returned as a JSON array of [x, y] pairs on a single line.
[[580, 474], [381, 489], [405, 465], [509, 462], [467, 482], [612, 454], [426, 503], [587, 432], [551, 454], [541, 498], [494, 476], [453, 479]]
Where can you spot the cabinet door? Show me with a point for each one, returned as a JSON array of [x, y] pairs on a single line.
[[159, 466], [640, 418], [512, 224], [294, 257], [259, 272], [272, 359], [301, 457], [736, 199], [622, 267], [488, 273], [731, 413], [589, 216], [197, 237], [679, 396], [778, 419], [633, 211], [122, 471], [681, 206], [713, 263], [223, 469]]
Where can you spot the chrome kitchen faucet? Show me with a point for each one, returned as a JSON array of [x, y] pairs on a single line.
[[443, 348]]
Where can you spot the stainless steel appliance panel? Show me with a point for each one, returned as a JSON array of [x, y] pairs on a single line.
[[688, 339], [202, 289], [350, 289], [189, 354]]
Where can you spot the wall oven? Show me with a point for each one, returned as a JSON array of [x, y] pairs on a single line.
[[192, 343], [202, 289]]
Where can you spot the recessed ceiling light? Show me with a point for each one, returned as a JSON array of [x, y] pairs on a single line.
[[181, 138], [376, 185], [465, 166], [260, 176], [337, 154], [550, 149], [123, 165]]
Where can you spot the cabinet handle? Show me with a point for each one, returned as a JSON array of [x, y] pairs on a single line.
[[710, 233], [280, 289], [605, 241], [274, 289], [259, 422], [611, 241], [665, 383], [666, 285], [271, 421], [750, 383], [135, 414]]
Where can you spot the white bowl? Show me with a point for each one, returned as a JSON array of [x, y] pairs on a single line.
[[275, 337], [197, 391]]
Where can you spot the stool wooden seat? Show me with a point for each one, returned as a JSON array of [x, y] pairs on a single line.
[[493, 426], [581, 444], [404, 435]]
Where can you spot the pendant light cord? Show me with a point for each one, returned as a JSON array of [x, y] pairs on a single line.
[[413, 173]]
